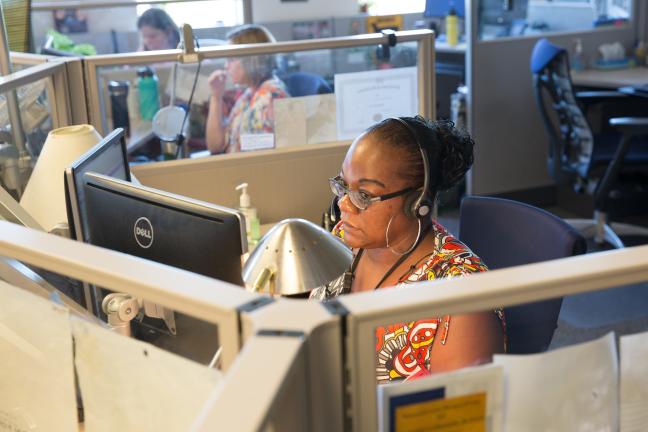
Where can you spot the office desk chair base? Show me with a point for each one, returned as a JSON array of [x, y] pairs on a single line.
[[603, 233]]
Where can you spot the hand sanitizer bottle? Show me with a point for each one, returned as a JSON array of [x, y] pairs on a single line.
[[252, 225]]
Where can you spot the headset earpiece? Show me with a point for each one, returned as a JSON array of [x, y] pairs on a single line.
[[424, 209], [415, 209], [418, 204]]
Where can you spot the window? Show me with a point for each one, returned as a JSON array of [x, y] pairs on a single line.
[[203, 14], [392, 7]]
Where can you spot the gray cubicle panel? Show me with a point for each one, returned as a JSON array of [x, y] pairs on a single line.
[[284, 183], [511, 144]]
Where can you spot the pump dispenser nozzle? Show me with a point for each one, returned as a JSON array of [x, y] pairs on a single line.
[[244, 199]]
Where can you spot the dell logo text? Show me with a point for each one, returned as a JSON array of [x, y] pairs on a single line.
[[143, 231]]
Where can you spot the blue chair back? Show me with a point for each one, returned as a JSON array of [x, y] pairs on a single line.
[[306, 84], [506, 233], [571, 140]]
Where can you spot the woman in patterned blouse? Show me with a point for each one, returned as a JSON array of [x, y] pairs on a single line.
[[253, 111], [395, 244]]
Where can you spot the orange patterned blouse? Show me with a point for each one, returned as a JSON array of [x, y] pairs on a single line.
[[403, 349]]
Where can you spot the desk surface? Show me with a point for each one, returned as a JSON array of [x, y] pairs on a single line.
[[140, 135], [444, 47], [610, 79]]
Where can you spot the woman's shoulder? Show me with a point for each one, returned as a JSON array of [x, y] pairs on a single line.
[[450, 258], [274, 87]]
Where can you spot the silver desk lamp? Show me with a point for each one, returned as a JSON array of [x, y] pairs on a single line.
[[294, 257]]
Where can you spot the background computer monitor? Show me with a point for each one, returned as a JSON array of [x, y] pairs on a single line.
[[440, 8], [108, 157], [163, 227]]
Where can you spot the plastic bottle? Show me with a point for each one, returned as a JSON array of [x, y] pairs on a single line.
[[252, 225], [118, 91], [577, 60], [149, 97], [451, 25], [640, 53]]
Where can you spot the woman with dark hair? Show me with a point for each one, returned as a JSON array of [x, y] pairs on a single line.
[[387, 188], [158, 30], [252, 112]]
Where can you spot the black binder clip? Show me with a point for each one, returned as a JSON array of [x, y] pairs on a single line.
[[383, 50]]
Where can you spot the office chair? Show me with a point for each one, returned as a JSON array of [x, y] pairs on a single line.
[[505, 233], [610, 165], [306, 84]]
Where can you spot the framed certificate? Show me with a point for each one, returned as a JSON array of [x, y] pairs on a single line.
[[365, 98]]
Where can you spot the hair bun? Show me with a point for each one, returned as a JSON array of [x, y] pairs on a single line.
[[456, 154]]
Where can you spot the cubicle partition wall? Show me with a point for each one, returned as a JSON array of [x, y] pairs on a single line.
[[479, 292], [310, 365], [35, 99], [273, 375], [361, 314], [361, 53], [502, 113], [310, 138], [283, 183], [204, 298], [20, 60]]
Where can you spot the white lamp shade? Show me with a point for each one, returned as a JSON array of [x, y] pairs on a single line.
[[44, 196]]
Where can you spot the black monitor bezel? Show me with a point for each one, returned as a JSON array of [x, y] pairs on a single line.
[[71, 173], [167, 199]]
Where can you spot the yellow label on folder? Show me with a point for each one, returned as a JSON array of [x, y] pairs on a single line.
[[459, 414]]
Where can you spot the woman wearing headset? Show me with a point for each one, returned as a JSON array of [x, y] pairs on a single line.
[[386, 188]]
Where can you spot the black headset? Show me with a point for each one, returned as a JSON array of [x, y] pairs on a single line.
[[418, 205]]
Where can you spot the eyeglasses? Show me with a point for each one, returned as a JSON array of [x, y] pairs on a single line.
[[360, 199]]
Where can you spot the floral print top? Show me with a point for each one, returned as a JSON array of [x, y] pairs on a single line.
[[253, 112], [403, 349]]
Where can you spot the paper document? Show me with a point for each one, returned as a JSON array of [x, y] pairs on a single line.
[[256, 141], [467, 400], [305, 120], [128, 384], [184, 83], [634, 382], [37, 373], [569, 389], [365, 98]]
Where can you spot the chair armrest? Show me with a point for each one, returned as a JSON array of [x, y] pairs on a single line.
[[630, 125], [589, 98], [588, 95]]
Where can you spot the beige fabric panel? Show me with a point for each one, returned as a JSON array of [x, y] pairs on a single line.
[[283, 183]]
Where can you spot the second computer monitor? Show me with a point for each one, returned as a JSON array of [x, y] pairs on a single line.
[[108, 157], [163, 227]]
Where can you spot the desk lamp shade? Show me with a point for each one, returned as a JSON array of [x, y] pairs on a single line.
[[44, 197], [294, 257]]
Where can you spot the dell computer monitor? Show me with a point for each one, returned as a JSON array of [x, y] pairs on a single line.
[[109, 158], [163, 227], [441, 8]]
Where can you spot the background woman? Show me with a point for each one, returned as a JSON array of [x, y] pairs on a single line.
[[158, 30], [253, 110], [389, 181]]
